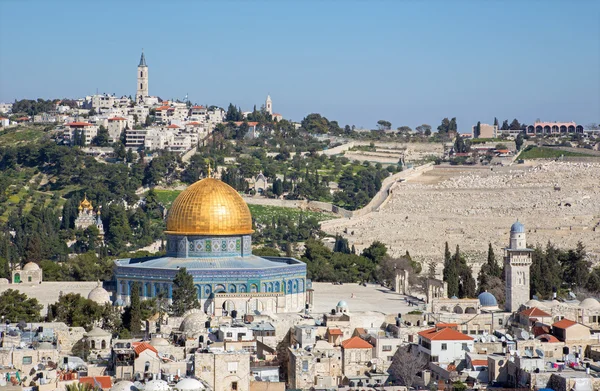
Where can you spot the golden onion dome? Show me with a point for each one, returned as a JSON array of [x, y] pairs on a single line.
[[85, 204], [209, 207]]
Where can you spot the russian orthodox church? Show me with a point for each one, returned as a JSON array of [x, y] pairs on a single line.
[[88, 217]]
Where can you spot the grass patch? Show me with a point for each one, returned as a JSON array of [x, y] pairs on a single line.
[[262, 213], [23, 135], [533, 152]]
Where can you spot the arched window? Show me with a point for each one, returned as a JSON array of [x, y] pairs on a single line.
[[276, 287], [103, 344], [147, 366], [141, 86], [253, 288], [93, 344], [29, 278], [141, 73]]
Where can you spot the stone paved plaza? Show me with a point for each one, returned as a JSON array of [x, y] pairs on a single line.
[[373, 297]]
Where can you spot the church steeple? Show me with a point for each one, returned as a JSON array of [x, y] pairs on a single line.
[[142, 60]]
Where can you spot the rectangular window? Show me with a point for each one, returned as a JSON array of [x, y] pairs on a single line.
[[444, 346], [27, 360], [500, 321], [387, 348], [232, 367], [234, 386], [390, 358], [305, 366], [229, 335], [464, 346]]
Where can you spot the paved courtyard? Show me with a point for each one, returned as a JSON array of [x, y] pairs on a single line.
[[370, 298]]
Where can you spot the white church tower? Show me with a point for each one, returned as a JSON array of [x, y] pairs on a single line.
[[269, 105], [142, 80], [517, 261]]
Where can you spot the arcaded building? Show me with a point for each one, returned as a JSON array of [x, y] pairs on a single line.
[[209, 228]]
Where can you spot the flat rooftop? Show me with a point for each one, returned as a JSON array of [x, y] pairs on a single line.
[[372, 297]]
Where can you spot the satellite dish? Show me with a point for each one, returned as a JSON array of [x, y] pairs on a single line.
[[503, 339], [528, 353], [524, 334], [483, 339], [539, 352], [493, 338], [475, 339], [509, 337]]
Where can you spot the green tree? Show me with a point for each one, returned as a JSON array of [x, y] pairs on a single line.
[[102, 137], [77, 311], [519, 141], [375, 252], [16, 306], [477, 130], [184, 293], [135, 323], [384, 125], [341, 245], [515, 125]]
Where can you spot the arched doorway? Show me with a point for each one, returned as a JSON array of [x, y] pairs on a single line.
[[17, 278], [470, 310], [228, 306]]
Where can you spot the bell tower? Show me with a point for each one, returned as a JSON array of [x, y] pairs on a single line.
[[269, 105], [142, 80], [517, 261]]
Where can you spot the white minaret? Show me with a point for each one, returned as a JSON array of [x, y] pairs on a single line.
[[517, 261], [142, 80], [269, 105]]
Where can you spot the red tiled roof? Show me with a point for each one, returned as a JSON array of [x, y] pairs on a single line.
[[104, 381], [444, 334], [162, 108], [356, 343], [335, 332], [194, 123], [23, 119], [198, 107], [442, 324], [479, 362], [564, 324], [534, 311], [276, 114], [173, 126], [547, 337], [117, 119], [79, 124], [361, 331], [139, 347], [238, 123]]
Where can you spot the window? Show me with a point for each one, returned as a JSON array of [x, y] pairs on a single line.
[[500, 321], [464, 346], [305, 366], [103, 344], [93, 344], [229, 335], [27, 360], [232, 367], [390, 358], [234, 386], [387, 348], [141, 86], [444, 346], [205, 369]]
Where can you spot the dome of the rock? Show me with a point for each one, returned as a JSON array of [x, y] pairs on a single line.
[[209, 207]]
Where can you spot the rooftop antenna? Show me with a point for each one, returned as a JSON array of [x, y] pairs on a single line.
[[209, 170]]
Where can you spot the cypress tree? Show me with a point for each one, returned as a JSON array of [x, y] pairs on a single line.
[[493, 267], [135, 324], [184, 293]]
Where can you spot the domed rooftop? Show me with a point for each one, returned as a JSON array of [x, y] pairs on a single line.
[[517, 227], [158, 341], [157, 385], [85, 204], [31, 266], [454, 298], [97, 332], [4, 281], [189, 384], [486, 299], [209, 207], [532, 303], [342, 303], [124, 385], [99, 295], [193, 323], [589, 303]]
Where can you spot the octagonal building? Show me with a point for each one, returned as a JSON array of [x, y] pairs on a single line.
[[209, 228]]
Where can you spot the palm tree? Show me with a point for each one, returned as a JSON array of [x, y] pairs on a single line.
[[82, 387]]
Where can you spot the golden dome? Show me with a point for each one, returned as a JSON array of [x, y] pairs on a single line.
[[209, 207], [85, 204]]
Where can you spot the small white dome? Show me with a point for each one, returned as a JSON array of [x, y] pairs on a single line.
[[124, 385], [158, 341], [590, 303], [532, 303], [342, 303], [3, 281], [99, 295], [189, 384], [157, 385], [31, 266]]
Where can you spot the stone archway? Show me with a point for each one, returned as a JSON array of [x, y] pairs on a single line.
[[228, 305], [470, 310], [458, 310]]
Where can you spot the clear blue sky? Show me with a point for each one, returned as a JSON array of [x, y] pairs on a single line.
[[407, 62]]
